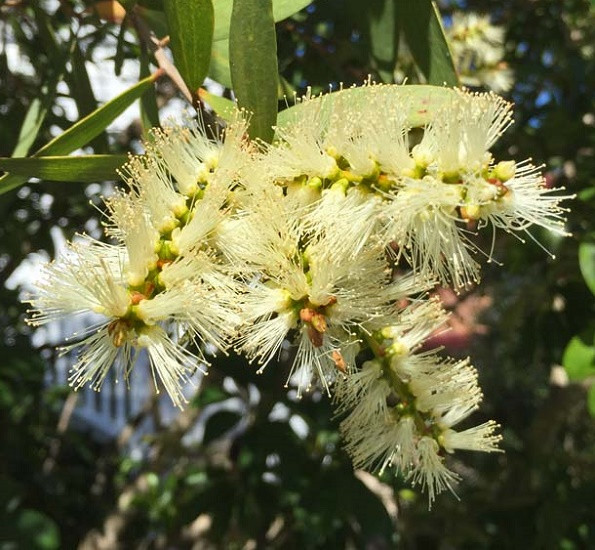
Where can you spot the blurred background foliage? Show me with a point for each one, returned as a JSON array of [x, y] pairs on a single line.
[[275, 475]]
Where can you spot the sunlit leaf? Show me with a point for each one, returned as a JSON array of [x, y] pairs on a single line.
[[83, 131], [87, 128], [422, 101], [282, 9], [424, 34], [384, 37], [219, 68], [190, 25], [579, 357], [30, 128], [224, 107], [586, 259], [87, 168], [253, 63]]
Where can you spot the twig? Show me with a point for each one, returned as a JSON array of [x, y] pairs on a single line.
[[63, 422], [155, 46]]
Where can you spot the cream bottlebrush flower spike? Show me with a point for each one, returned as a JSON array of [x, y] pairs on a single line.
[[478, 51], [324, 286], [430, 198], [164, 279], [401, 406]]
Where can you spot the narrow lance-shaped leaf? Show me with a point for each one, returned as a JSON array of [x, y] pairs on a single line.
[[119, 57], [421, 23], [77, 78], [224, 107], [87, 128], [190, 25], [422, 101], [80, 133], [219, 68], [586, 259], [281, 10], [37, 112], [82, 169], [30, 128], [82, 91], [253, 63], [149, 110], [384, 36]]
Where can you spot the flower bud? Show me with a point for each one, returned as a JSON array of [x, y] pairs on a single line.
[[505, 170]]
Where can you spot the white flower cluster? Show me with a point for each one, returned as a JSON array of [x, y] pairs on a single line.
[[227, 242], [162, 280], [401, 406], [478, 51]]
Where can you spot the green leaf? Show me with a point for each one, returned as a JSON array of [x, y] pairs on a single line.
[[591, 400], [128, 4], [119, 57], [153, 4], [83, 131], [155, 20], [30, 128], [219, 68], [224, 107], [579, 357], [209, 395], [87, 128], [82, 92], [384, 36], [282, 9], [422, 25], [39, 107], [38, 530], [77, 78], [80, 84], [149, 111], [422, 101], [83, 169], [586, 260], [253, 63], [190, 25]]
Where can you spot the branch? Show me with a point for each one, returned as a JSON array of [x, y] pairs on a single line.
[[155, 46]]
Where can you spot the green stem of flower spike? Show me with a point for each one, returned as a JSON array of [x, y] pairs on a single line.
[[406, 399]]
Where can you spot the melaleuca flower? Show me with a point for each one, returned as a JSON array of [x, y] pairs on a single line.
[[311, 276], [428, 201], [454, 151], [458, 141], [400, 408], [92, 278], [225, 242], [164, 282], [478, 51]]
